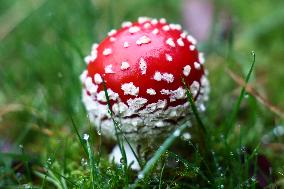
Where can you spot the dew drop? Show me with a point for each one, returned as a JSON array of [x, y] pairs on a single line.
[[99, 132], [140, 175]]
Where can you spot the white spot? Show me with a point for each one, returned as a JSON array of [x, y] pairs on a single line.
[[112, 95], [125, 44], [191, 39], [90, 58], [141, 20], [134, 29], [151, 91], [149, 108], [184, 34], [119, 108], [204, 81], [154, 21], [83, 76], [194, 88], [175, 26], [191, 47], [178, 27], [163, 21], [201, 58], [170, 42], [111, 33], [86, 137], [90, 86], [143, 66], [168, 77], [108, 69], [169, 58], [130, 89], [98, 79], [124, 66], [197, 65], [136, 103], [161, 104], [180, 42], [126, 24], [107, 51], [155, 31], [112, 39], [166, 28], [95, 47], [143, 40], [165, 92], [147, 25], [179, 93], [186, 70], [101, 96], [158, 76], [165, 77]]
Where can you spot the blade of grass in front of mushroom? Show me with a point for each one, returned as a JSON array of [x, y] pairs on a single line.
[[202, 131], [117, 125], [194, 109], [230, 122], [118, 138], [206, 144], [155, 158]]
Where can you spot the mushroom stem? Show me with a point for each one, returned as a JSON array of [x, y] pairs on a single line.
[[116, 156]]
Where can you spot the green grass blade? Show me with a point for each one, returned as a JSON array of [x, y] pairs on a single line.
[[193, 107], [233, 116], [161, 175], [78, 135], [92, 164], [118, 138]]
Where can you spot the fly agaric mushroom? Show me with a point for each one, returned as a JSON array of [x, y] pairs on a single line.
[[143, 65]]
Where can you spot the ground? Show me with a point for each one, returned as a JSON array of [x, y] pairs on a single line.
[[236, 143]]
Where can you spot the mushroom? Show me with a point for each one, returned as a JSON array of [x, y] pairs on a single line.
[[143, 64]]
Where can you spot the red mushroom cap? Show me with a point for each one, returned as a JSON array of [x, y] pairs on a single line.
[[143, 64]]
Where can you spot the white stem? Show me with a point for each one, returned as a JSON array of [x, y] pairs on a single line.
[[116, 156]]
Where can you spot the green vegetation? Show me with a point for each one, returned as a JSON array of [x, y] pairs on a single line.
[[237, 143]]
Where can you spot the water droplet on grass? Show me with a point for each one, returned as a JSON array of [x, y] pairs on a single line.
[[140, 175], [99, 132]]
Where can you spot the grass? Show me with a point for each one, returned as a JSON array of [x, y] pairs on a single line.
[[234, 143]]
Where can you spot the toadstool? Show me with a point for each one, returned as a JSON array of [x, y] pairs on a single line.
[[143, 64]]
